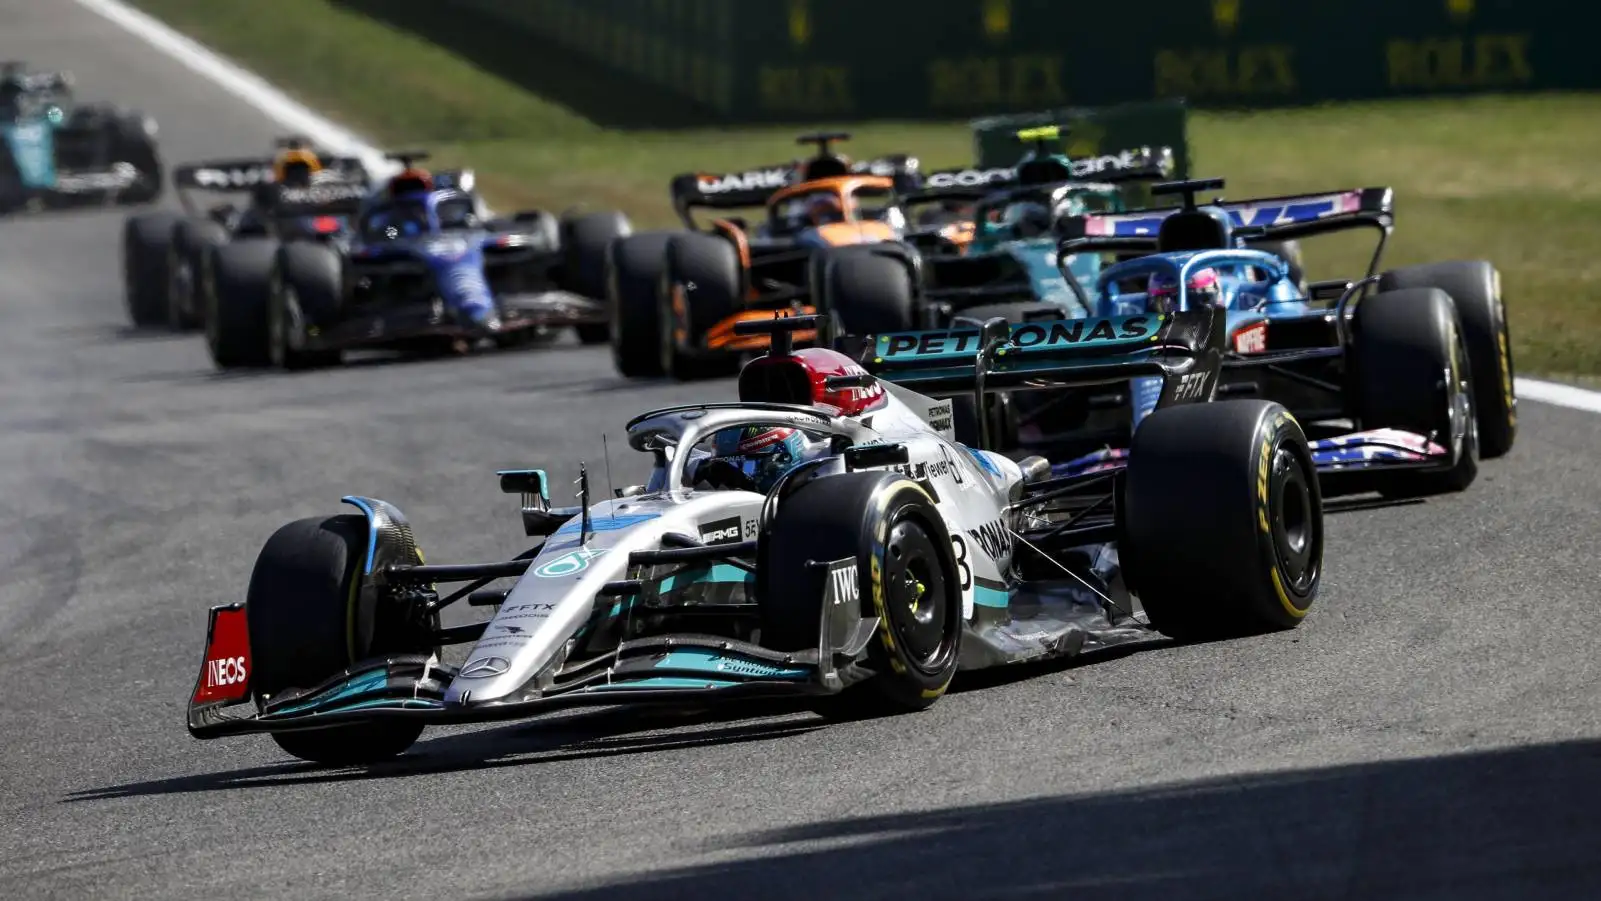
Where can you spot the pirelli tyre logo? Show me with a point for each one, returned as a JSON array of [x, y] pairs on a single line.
[[844, 583]]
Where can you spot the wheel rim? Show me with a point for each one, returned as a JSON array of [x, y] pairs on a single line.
[[180, 286], [1296, 532], [1464, 424], [669, 327], [916, 601]]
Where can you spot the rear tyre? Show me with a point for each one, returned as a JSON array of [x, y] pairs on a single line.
[[585, 239], [636, 270], [1410, 369], [702, 290], [307, 292], [308, 620], [869, 293], [905, 574], [238, 293], [146, 238], [187, 255], [1222, 520], [1475, 289]]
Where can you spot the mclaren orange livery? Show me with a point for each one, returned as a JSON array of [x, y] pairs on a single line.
[[679, 296]]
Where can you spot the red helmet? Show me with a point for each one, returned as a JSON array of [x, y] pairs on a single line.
[[1204, 289]]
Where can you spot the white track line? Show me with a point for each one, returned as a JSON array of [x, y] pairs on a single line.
[[1558, 395], [245, 85], [296, 116]]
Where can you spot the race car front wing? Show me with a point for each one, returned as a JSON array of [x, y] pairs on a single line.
[[663, 670]]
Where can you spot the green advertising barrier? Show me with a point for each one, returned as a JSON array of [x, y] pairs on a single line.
[[792, 61], [899, 58], [683, 46], [1090, 132]]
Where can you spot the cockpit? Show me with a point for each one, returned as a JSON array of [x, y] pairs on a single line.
[[798, 210], [409, 217]]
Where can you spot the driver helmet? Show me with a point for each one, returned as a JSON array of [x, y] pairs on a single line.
[[1204, 289], [296, 167], [1029, 219], [824, 210], [762, 453]]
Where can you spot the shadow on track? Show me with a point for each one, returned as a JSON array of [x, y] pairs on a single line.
[[612, 732], [1514, 823]]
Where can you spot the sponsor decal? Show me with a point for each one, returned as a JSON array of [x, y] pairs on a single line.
[[524, 611], [319, 194], [568, 564], [232, 178], [484, 667], [723, 531], [939, 416], [995, 538], [844, 582], [951, 466], [1027, 336], [1252, 339], [755, 180], [1191, 386], [225, 674], [225, 671], [969, 178]]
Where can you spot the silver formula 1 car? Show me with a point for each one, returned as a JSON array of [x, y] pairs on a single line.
[[825, 536]]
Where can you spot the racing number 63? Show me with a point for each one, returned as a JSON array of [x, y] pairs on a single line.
[[963, 571]]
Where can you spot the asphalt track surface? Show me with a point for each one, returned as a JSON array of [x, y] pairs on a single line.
[[1430, 732]]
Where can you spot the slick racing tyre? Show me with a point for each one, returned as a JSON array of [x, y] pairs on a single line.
[[906, 577], [308, 620], [187, 255], [702, 290], [146, 238], [585, 242], [237, 293], [1222, 520], [867, 290], [1475, 289], [1409, 366], [635, 273], [307, 292]]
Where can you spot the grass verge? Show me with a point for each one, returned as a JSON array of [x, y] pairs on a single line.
[[1509, 179]]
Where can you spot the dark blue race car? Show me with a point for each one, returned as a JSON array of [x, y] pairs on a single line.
[[1403, 379], [421, 269], [55, 152]]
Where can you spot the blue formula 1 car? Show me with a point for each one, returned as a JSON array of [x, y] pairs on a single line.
[[1403, 379], [57, 153], [421, 270]]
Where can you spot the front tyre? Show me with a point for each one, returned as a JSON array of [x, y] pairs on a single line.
[[1475, 290], [890, 525], [1222, 520], [308, 620]]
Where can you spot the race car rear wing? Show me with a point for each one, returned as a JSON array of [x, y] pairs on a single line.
[[1184, 349], [1265, 218], [230, 176], [752, 187], [1130, 165]]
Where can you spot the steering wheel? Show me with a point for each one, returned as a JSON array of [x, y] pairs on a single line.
[[722, 475]]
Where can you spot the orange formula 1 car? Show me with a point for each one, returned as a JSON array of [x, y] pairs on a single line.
[[678, 295]]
